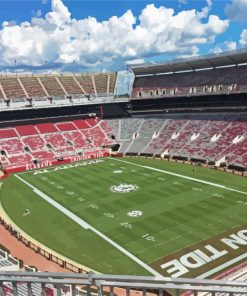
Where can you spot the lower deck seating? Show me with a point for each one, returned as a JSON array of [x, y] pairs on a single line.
[[35, 143], [209, 136], [50, 141], [78, 140]]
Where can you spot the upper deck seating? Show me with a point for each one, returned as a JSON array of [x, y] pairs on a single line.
[[219, 80], [32, 87], [12, 88], [52, 86], [86, 82], [70, 85], [101, 82], [112, 82]]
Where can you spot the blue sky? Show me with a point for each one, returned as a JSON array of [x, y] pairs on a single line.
[[76, 35]]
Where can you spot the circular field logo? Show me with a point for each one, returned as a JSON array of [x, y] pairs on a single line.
[[124, 188], [134, 213]]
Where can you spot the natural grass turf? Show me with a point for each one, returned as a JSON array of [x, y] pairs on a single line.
[[176, 212]]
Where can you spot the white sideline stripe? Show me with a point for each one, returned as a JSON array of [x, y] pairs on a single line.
[[222, 266], [85, 225], [180, 176]]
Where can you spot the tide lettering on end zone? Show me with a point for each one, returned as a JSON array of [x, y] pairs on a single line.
[[199, 257]]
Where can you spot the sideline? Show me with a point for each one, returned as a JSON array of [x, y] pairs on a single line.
[[222, 266], [180, 176], [85, 225]]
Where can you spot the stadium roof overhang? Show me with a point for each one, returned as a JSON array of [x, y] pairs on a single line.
[[191, 64]]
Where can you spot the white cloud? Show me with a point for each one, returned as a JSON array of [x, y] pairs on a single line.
[[59, 38], [237, 10], [37, 13], [243, 38], [230, 45], [135, 62], [209, 3], [225, 46]]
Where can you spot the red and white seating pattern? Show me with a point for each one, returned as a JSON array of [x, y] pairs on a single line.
[[211, 137], [22, 145]]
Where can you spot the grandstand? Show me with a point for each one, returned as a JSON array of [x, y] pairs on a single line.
[[23, 146], [218, 137], [39, 91], [189, 110]]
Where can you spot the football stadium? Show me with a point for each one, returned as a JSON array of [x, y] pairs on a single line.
[[141, 192]]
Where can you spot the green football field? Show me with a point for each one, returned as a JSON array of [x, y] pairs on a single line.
[[136, 212]]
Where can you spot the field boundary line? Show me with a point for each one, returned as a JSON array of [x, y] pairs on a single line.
[[222, 266], [7, 219], [180, 176], [87, 226]]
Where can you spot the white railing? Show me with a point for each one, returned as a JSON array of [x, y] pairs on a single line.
[[101, 284]]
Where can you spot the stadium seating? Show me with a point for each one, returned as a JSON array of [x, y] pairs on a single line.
[[114, 126], [7, 262], [52, 86], [145, 134], [33, 87], [8, 133], [46, 128], [221, 80], [71, 86], [12, 146], [81, 124], [12, 88], [24, 145], [210, 137], [78, 140], [38, 88], [35, 142], [26, 130], [170, 127]]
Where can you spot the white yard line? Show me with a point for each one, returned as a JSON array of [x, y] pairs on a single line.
[[181, 176], [222, 266], [85, 225]]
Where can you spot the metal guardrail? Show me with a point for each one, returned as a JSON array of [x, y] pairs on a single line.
[[100, 283]]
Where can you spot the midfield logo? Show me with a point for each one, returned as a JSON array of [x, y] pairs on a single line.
[[124, 188]]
